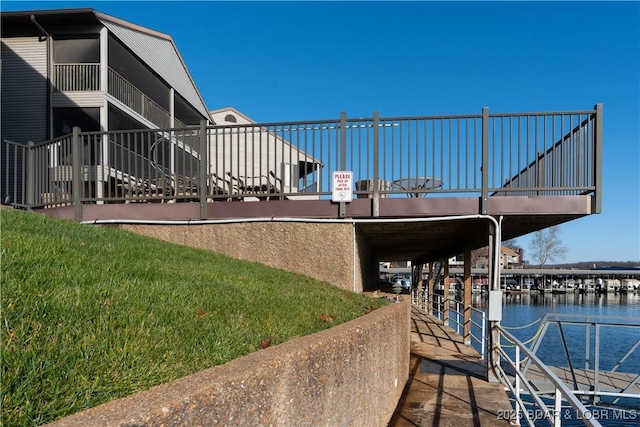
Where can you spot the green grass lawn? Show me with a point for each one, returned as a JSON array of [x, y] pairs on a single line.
[[90, 314]]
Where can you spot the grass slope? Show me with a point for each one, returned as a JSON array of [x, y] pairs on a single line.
[[90, 314]]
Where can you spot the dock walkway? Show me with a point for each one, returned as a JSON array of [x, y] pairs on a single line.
[[447, 385]]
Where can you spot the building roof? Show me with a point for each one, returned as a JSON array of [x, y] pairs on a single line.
[[221, 117], [504, 250], [156, 49], [226, 111], [508, 251]]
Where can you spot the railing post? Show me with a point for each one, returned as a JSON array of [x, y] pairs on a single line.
[[483, 344], [76, 172], [342, 162], [596, 367], [430, 291], [375, 199], [31, 170], [467, 285], [485, 161], [587, 346], [597, 161], [343, 141], [516, 415], [445, 291], [204, 169], [557, 407]]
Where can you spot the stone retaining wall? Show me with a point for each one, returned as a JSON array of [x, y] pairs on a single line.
[[327, 252], [350, 375]]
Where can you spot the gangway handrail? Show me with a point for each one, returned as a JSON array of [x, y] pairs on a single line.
[[446, 318], [483, 328], [561, 391], [597, 321]]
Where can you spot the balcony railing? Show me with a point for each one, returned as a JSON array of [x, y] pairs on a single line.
[[125, 92], [76, 77], [86, 77], [484, 155]]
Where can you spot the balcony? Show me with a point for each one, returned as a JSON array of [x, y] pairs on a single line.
[[86, 78], [76, 77]]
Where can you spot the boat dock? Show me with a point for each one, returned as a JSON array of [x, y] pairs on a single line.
[[586, 380], [447, 383]]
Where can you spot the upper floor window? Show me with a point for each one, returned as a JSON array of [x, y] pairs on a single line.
[[76, 50], [230, 118]]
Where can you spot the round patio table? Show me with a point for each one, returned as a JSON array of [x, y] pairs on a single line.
[[414, 187]]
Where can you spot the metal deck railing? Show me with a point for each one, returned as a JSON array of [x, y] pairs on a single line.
[[582, 389], [484, 155], [581, 378], [560, 392], [575, 331]]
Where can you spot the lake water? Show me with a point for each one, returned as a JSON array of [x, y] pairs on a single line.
[[527, 309]]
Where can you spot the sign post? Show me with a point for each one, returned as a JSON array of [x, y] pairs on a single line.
[[342, 190]]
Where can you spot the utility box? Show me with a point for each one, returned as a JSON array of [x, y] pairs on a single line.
[[495, 306]]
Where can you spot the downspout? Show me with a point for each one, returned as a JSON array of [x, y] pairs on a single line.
[[495, 305], [48, 38]]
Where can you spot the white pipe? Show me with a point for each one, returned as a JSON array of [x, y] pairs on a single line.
[[321, 221], [497, 249], [293, 219]]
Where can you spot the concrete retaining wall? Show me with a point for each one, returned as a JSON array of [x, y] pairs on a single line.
[[328, 252], [349, 375]]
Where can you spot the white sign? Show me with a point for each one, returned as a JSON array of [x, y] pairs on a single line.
[[342, 190]]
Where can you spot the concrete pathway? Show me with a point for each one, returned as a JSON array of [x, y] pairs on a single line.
[[447, 385]]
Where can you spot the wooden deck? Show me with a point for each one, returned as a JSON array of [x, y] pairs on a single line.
[[447, 385]]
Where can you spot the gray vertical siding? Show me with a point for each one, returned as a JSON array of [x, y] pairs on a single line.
[[24, 89]]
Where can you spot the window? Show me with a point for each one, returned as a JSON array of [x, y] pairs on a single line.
[[87, 119], [230, 118], [64, 119], [77, 50]]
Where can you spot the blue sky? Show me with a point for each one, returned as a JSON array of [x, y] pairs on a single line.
[[285, 61]]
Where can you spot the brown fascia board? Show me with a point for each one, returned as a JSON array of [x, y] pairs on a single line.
[[41, 12], [19, 22]]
